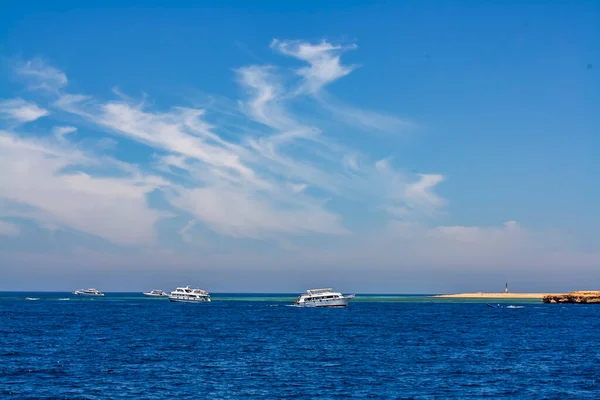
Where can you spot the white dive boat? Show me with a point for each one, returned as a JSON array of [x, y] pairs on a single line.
[[88, 292], [325, 297], [189, 295], [156, 293]]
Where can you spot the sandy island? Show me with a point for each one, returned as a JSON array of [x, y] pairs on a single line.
[[481, 295]]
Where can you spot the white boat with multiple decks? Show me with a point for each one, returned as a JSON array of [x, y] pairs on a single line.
[[189, 295], [88, 292], [156, 293], [325, 297]]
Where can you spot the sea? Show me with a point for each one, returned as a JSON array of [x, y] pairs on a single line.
[[241, 346]]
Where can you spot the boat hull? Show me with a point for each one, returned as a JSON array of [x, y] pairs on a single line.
[[327, 303], [89, 294], [187, 300], [154, 295]]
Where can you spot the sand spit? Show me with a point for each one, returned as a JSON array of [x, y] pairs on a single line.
[[482, 295]]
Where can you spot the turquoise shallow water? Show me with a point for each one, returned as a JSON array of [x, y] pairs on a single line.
[[260, 297], [125, 346]]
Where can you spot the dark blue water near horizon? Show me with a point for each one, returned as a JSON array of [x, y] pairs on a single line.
[[131, 347]]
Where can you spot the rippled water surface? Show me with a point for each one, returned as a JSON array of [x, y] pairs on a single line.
[[130, 347]]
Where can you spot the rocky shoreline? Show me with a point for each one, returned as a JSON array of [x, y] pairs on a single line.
[[579, 297]]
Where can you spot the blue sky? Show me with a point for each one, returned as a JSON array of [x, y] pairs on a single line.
[[269, 147]]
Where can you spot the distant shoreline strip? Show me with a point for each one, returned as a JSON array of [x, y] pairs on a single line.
[[481, 295]]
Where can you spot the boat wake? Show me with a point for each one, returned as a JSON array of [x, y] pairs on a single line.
[[501, 306], [32, 298]]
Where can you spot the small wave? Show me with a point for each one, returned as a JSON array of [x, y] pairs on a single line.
[[331, 364], [32, 298], [515, 306], [64, 298]]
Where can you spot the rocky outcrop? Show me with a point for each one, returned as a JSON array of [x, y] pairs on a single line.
[[580, 297]]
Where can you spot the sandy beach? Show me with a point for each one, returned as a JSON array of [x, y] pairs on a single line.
[[482, 295]]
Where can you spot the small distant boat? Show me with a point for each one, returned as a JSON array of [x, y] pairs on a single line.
[[88, 292], [501, 306], [494, 305], [189, 295], [156, 293], [325, 297]]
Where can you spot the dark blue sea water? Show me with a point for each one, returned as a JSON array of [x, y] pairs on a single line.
[[130, 347]]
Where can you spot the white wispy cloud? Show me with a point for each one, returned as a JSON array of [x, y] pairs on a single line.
[[298, 187], [324, 60], [61, 131], [9, 229], [179, 131], [272, 179], [41, 76], [186, 232], [228, 172], [420, 194], [266, 92], [114, 208], [21, 111], [325, 66], [367, 120], [409, 194], [351, 161]]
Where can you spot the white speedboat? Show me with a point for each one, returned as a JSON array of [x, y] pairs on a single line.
[[189, 295], [325, 297], [88, 292], [156, 293]]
